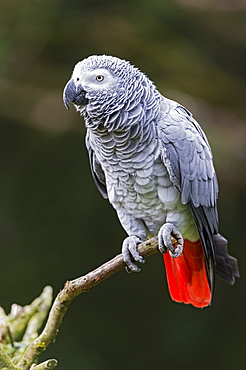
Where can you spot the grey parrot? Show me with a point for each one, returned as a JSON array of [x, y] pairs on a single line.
[[152, 161]]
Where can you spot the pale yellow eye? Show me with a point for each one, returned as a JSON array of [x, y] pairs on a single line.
[[100, 78]]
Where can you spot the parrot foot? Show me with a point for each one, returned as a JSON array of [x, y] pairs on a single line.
[[130, 252], [167, 231]]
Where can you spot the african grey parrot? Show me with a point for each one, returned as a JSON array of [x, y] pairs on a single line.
[[151, 159]]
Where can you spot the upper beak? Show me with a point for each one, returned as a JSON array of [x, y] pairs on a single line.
[[71, 94]]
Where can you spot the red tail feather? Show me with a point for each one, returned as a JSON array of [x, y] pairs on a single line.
[[187, 276]]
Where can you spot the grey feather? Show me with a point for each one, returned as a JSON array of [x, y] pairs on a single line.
[[96, 170], [185, 156]]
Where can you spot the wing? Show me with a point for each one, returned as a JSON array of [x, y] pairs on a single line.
[[96, 169], [188, 158]]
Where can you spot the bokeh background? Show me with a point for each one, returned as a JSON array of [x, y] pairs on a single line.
[[55, 225]]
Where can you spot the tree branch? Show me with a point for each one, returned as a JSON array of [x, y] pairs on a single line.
[[70, 291], [20, 344]]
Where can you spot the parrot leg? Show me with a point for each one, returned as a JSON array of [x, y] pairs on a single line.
[[130, 252], [167, 231]]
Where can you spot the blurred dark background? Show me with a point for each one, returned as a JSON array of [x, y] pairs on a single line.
[[55, 225]]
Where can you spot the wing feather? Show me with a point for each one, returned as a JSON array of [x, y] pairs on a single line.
[[188, 157], [96, 169]]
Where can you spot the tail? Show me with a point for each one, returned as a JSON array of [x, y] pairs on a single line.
[[225, 265], [187, 277]]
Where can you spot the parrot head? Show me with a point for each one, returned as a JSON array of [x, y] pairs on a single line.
[[97, 77], [111, 92]]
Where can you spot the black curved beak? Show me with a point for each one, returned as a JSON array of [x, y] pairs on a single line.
[[71, 94]]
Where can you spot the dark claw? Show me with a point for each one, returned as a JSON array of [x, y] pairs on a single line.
[[133, 268]]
